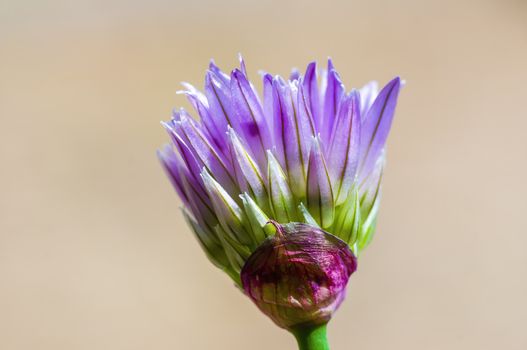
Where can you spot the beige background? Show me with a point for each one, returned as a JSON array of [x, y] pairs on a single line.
[[93, 250]]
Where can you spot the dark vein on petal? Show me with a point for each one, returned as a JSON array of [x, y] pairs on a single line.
[[378, 124]]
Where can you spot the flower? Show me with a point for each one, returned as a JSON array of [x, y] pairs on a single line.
[[283, 195], [309, 153]]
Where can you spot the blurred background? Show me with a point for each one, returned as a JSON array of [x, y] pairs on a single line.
[[94, 253]]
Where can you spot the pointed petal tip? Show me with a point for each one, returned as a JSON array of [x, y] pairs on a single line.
[[212, 64], [311, 69], [266, 76], [397, 82], [331, 66], [238, 74], [401, 81], [242, 63]]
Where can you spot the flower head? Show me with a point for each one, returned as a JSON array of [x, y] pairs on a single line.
[[308, 152]]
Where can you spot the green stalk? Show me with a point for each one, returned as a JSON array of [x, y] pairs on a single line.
[[311, 337]]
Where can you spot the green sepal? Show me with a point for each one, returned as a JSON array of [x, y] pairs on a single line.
[[307, 215], [236, 253], [257, 218], [349, 222], [281, 198], [213, 250]]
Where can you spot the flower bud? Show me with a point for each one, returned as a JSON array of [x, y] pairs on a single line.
[[298, 277]]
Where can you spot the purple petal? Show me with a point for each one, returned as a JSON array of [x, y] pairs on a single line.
[[319, 201], [188, 184], [295, 74], [250, 124], [376, 126], [249, 176], [368, 93], [219, 98], [273, 108], [343, 154], [172, 165], [269, 101], [203, 150], [295, 130], [219, 74], [214, 126], [332, 95], [310, 94], [188, 157], [243, 68]]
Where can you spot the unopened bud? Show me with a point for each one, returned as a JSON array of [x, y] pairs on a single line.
[[298, 276]]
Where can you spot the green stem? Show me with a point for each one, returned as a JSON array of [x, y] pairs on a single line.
[[311, 337]]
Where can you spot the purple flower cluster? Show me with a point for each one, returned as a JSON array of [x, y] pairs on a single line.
[[308, 152]]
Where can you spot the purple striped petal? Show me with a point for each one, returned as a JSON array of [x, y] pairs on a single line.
[[207, 154], [243, 68], [270, 105], [214, 126], [250, 178], [376, 126], [189, 180], [219, 74], [273, 110], [332, 95], [250, 123], [172, 165], [343, 154], [188, 157], [310, 94], [319, 200], [218, 93], [295, 132], [368, 93]]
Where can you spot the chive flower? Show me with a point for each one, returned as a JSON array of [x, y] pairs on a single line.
[[282, 192]]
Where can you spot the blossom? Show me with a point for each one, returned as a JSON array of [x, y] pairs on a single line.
[[307, 152], [283, 193]]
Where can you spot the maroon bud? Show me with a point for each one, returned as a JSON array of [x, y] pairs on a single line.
[[298, 276]]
